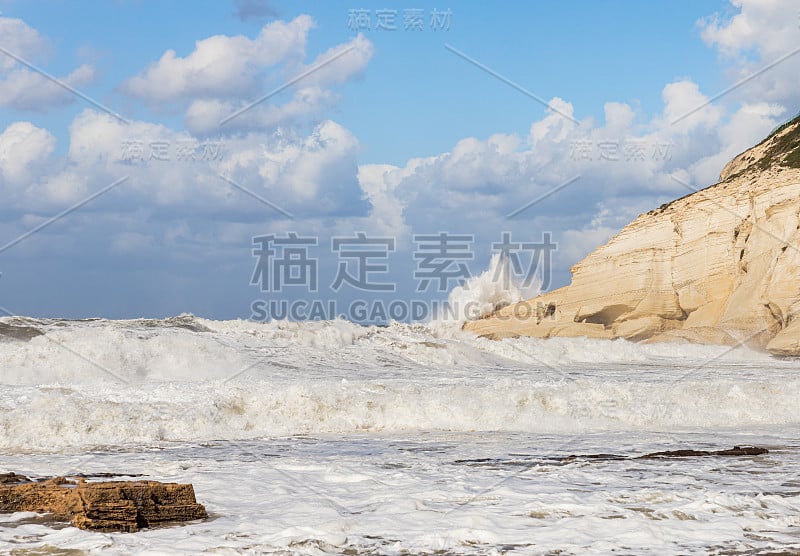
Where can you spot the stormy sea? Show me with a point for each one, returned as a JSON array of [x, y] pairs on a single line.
[[331, 437]]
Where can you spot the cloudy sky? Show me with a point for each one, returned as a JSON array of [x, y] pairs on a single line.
[[143, 145]]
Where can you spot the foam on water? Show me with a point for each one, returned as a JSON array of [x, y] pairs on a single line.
[[111, 383], [455, 493], [330, 437]]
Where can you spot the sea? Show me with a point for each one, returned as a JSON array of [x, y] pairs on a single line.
[[332, 437]]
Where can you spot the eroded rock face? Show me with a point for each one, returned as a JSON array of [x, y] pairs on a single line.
[[720, 266], [104, 506]]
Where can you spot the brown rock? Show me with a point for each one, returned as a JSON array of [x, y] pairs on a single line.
[[12, 478], [103, 506]]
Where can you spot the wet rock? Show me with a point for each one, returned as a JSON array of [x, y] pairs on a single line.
[[185, 321], [528, 462], [103, 506], [683, 453], [18, 332], [13, 479], [736, 451]]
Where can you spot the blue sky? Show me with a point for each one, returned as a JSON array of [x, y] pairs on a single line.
[[398, 136], [587, 52]]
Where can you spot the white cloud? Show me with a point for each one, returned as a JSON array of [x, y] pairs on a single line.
[[62, 189], [574, 245], [554, 126], [204, 115], [224, 67], [470, 188], [224, 75], [770, 26], [310, 175], [221, 66], [761, 33], [686, 108], [22, 88], [625, 171], [24, 148], [744, 127], [19, 39], [378, 181], [340, 63], [619, 116]]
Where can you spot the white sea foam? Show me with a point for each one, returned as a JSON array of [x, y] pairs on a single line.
[[457, 493], [330, 437], [107, 383]]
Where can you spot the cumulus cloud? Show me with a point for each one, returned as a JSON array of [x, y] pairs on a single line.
[[339, 64], [768, 26], [23, 88], [685, 107], [310, 175], [24, 148], [225, 67], [235, 83], [204, 115], [761, 41], [19, 39], [221, 66], [175, 215], [616, 170]]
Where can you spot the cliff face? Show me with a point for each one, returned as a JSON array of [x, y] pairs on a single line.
[[721, 266]]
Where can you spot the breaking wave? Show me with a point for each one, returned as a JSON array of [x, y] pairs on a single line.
[[113, 383], [496, 287], [99, 382]]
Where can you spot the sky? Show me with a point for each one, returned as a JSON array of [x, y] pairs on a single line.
[[221, 158]]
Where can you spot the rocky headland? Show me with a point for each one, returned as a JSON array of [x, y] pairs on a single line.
[[718, 266]]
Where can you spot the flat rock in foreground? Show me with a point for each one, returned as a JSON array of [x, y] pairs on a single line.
[[102, 506]]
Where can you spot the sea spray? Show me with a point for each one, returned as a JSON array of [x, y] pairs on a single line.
[[480, 295]]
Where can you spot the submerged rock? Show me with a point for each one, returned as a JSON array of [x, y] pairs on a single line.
[[735, 451], [719, 266], [103, 506]]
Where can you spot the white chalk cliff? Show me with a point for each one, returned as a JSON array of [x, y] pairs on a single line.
[[719, 266]]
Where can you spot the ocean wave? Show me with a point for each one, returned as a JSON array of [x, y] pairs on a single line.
[[102, 383]]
